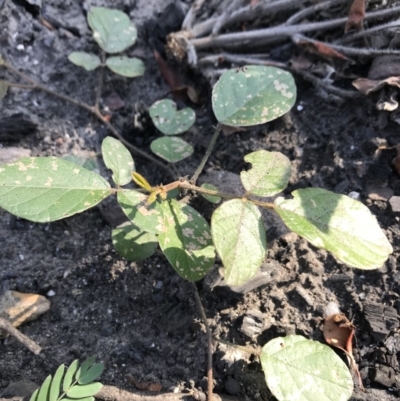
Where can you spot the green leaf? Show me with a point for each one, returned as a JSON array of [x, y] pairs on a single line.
[[35, 393], [239, 237], [112, 29], [186, 240], [44, 389], [253, 95], [85, 390], [338, 224], [3, 89], [80, 399], [269, 175], [89, 163], [171, 149], [169, 120], [210, 198], [131, 243], [118, 159], [56, 384], [46, 189], [303, 370], [70, 375], [84, 367], [126, 66], [88, 61], [144, 216]]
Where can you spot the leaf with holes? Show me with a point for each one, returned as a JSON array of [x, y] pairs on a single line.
[[46, 189], [338, 224], [133, 244], [144, 216], [210, 198], [88, 61], [126, 66], [3, 89], [112, 29], [169, 120], [253, 95], [299, 369], [118, 159], [269, 174], [171, 149], [186, 240], [239, 237]]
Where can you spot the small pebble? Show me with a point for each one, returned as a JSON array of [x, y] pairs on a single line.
[[20, 47], [50, 293], [300, 107], [354, 195]]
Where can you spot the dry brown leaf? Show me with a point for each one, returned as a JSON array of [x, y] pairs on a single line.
[[229, 130], [155, 387], [366, 86], [172, 79], [322, 49], [356, 16]]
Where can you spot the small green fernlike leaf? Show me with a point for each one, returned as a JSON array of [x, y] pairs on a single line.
[[299, 369], [112, 29], [3, 89], [253, 95], [84, 367], [118, 159], [44, 189], [80, 399], [85, 390], [269, 174], [169, 120], [69, 376], [36, 392], [171, 149], [144, 216], [88, 61], [44, 389], [210, 198], [239, 237], [186, 240], [131, 243], [126, 66], [56, 384], [338, 224], [89, 371]]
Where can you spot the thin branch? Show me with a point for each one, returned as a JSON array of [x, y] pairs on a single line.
[[255, 59], [100, 81], [19, 86], [207, 154], [280, 31], [191, 15], [209, 344]]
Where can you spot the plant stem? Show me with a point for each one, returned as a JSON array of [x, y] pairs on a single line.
[[207, 154], [209, 343], [92, 109], [100, 81]]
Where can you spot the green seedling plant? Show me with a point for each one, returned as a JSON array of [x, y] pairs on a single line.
[[114, 33], [76, 383], [171, 122], [44, 189]]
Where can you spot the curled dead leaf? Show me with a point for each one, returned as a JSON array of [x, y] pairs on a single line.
[[356, 16], [366, 86]]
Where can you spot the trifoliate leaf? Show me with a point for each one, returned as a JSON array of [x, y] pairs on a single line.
[[112, 29], [126, 66], [186, 240], [253, 95], [46, 189], [88, 61], [169, 120], [269, 174], [118, 159], [239, 237], [338, 224], [171, 149], [133, 244], [299, 369]]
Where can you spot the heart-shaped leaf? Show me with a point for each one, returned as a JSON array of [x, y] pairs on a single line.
[[144, 216], [299, 369], [131, 243], [269, 174], [239, 237], [118, 159], [112, 29], [337, 223], [88, 61], [186, 240], [126, 66], [3, 89], [171, 149], [253, 95], [46, 189], [169, 120]]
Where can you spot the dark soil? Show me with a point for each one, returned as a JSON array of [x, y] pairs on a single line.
[[141, 319]]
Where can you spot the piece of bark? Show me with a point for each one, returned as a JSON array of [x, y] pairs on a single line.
[[381, 320]]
